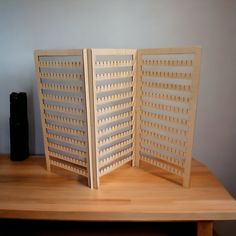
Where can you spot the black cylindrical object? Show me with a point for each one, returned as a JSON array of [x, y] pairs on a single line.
[[19, 137]]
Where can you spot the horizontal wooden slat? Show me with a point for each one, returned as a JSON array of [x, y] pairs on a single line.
[[166, 160], [60, 76], [113, 51], [59, 64], [169, 51], [114, 108], [165, 96], [166, 74], [156, 136], [66, 158], [65, 130], [115, 118], [114, 128], [108, 64], [163, 166], [167, 62], [64, 88], [165, 107], [168, 86], [114, 87], [65, 120], [114, 148], [67, 110], [66, 140], [115, 138], [114, 166], [166, 118], [117, 97], [157, 146], [67, 149], [106, 161], [64, 99], [114, 75], [164, 128], [62, 52], [69, 168]]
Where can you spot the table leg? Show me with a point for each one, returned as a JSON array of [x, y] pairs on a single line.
[[205, 228]]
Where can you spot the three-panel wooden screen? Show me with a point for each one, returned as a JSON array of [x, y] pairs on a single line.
[[102, 108]]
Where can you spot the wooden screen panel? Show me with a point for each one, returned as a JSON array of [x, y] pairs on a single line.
[[61, 87], [113, 73], [167, 89]]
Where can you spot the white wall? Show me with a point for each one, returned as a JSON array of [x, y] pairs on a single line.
[[26, 25]]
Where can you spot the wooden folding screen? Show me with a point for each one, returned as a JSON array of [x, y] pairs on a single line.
[[113, 86], [61, 85], [102, 108], [167, 97]]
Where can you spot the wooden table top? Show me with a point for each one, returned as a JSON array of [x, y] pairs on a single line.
[[28, 191]]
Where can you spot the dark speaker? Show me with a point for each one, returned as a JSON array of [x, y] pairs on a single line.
[[19, 138]]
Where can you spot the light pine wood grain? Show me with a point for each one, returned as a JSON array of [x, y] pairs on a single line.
[[28, 191]]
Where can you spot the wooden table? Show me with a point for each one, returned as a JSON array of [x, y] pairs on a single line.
[[28, 191]]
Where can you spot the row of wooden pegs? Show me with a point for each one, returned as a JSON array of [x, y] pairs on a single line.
[[67, 149], [58, 64], [65, 120], [69, 168], [165, 138], [179, 87], [62, 87], [65, 130], [66, 99], [124, 63], [111, 87], [168, 62], [61, 76], [167, 74], [114, 128], [166, 107], [67, 140], [156, 154], [115, 118], [69, 159], [115, 137], [114, 165], [114, 147], [114, 75], [158, 146], [112, 98], [114, 108], [164, 128], [111, 158], [63, 109], [166, 96], [164, 166], [166, 118]]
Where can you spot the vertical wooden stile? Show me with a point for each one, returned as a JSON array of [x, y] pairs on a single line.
[[93, 101], [138, 95], [89, 113], [195, 88], [42, 114], [135, 78]]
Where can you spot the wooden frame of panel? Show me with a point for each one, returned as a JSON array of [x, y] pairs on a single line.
[[63, 161], [101, 167], [96, 167], [185, 170]]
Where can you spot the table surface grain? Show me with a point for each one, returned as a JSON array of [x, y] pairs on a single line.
[[29, 191]]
